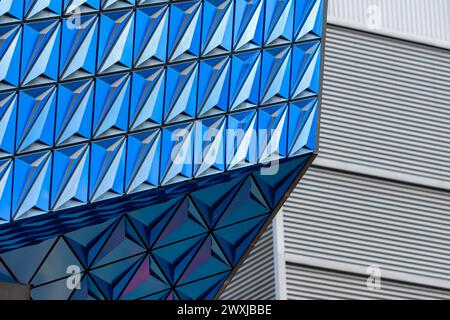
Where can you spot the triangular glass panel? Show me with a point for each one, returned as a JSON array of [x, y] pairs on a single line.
[[34, 254], [123, 241], [8, 110], [112, 98], [6, 174], [177, 151], [70, 177], [40, 53], [213, 86], [56, 264], [241, 135], [305, 72], [275, 74], [245, 76], [279, 21], [31, 185], [86, 242], [148, 280], [11, 11], [209, 155], [213, 200], [302, 126], [83, 6], [150, 221], [88, 290], [38, 9], [147, 98], [272, 133], [151, 36], [112, 279], [208, 261], [115, 44], [217, 26], [248, 24], [78, 60], [248, 202], [107, 169], [181, 92], [74, 112], [275, 186], [235, 239], [174, 258], [186, 222], [10, 47], [36, 119], [205, 289], [185, 25], [308, 20]]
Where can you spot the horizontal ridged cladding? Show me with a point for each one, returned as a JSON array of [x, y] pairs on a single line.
[[421, 19], [311, 283], [386, 104], [255, 279], [346, 218]]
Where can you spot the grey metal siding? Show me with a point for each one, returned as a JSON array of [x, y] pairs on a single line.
[[312, 283], [386, 105], [256, 277], [346, 218], [419, 20]]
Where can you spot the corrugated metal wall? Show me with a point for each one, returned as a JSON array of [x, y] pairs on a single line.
[[386, 105], [425, 21], [256, 277], [312, 283], [346, 218]]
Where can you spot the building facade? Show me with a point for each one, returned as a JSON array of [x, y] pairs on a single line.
[[371, 219], [145, 144]]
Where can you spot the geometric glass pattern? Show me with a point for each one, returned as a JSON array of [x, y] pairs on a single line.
[[149, 143]]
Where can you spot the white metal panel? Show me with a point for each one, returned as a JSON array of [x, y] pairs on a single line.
[[386, 105], [347, 218], [312, 283], [255, 279], [425, 21]]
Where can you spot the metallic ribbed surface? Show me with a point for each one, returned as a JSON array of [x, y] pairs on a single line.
[[256, 277], [361, 221], [312, 283], [420, 20], [386, 105]]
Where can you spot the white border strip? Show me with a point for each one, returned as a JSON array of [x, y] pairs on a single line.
[[279, 256]]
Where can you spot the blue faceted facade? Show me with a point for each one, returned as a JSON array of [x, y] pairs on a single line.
[[145, 144]]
